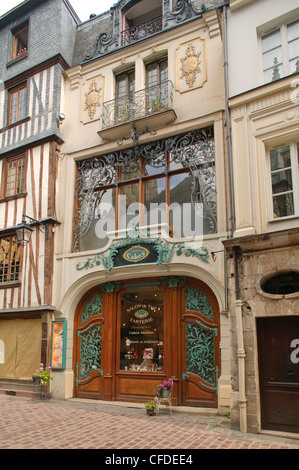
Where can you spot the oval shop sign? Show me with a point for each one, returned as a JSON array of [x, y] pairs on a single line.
[[136, 254]]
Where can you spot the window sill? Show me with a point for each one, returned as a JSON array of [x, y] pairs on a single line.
[[283, 219], [9, 285], [16, 60], [12, 198], [15, 124]]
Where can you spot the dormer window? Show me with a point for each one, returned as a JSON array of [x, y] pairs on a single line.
[[142, 20], [20, 41]]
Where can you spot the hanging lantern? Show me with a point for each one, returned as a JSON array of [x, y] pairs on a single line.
[[23, 232]]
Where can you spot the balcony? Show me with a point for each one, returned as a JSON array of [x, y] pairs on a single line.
[[141, 31], [151, 108], [166, 16]]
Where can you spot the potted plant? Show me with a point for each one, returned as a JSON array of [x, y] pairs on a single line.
[[151, 407], [43, 376], [156, 105], [164, 389]]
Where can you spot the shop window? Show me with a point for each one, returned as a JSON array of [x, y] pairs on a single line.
[[141, 335], [14, 170], [280, 52], [20, 41], [284, 168], [17, 103], [10, 252], [282, 283]]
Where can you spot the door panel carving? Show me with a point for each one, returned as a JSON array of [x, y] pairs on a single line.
[[88, 347], [200, 349]]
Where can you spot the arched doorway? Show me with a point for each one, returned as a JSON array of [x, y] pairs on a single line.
[[131, 335]]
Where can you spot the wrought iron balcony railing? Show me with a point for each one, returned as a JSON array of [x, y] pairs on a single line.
[[141, 31], [138, 105]]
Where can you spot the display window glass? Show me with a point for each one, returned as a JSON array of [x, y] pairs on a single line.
[[141, 330]]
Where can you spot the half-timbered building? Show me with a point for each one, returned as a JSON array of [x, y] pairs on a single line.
[[37, 40]]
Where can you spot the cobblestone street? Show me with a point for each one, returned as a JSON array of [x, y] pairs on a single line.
[[36, 424]]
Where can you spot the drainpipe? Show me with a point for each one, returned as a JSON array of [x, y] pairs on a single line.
[[238, 302], [227, 125], [240, 344]]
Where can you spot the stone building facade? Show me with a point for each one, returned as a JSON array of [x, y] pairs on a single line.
[[153, 152], [144, 107], [262, 254]]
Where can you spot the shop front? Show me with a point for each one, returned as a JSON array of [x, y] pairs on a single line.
[[131, 335]]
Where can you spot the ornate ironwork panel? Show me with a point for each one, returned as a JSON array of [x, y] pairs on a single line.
[[182, 12], [198, 302], [92, 307], [194, 151], [138, 105], [90, 351], [200, 358], [141, 31], [113, 38]]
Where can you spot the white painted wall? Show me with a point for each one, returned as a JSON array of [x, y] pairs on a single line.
[[243, 27]]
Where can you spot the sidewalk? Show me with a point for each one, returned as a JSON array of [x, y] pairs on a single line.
[[79, 424]]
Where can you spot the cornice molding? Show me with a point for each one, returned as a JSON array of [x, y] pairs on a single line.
[[57, 59]]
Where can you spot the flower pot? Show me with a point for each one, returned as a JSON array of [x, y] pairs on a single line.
[[151, 412], [45, 394], [35, 379], [165, 393]]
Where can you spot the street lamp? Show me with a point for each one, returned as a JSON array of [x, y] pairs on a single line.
[[214, 256], [24, 231]]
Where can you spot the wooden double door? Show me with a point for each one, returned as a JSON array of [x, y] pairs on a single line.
[[130, 336], [278, 349]]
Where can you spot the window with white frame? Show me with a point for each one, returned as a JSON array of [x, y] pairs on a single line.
[[280, 51], [284, 169]]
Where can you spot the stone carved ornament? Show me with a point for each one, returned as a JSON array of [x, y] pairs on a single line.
[[190, 65], [92, 99]]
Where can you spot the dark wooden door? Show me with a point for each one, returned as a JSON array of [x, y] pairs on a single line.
[[279, 373]]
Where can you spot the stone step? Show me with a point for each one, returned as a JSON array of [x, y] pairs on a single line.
[[19, 387]]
